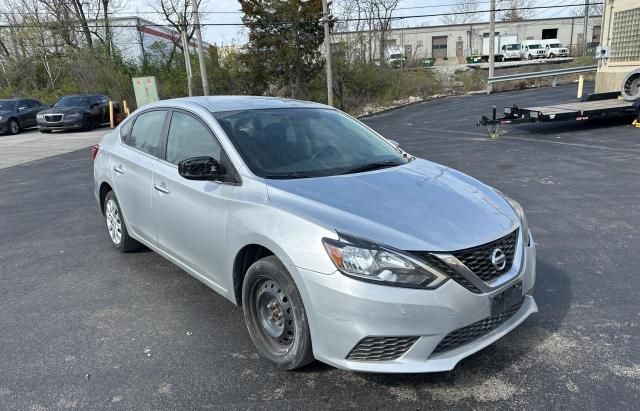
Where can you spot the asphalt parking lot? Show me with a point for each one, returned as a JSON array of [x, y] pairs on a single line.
[[86, 327]]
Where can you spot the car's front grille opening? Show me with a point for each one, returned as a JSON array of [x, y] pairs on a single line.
[[472, 332], [478, 259], [53, 118], [381, 348], [441, 266]]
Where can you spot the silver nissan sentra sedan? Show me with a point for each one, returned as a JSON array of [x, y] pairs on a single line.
[[338, 245]]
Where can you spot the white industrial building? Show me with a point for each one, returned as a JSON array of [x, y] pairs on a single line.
[[451, 43], [138, 39]]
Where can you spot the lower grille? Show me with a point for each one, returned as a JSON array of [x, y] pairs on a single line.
[[381, 348], [53, 118], [464, 335]]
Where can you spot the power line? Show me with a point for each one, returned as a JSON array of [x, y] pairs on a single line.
[[284, 22]]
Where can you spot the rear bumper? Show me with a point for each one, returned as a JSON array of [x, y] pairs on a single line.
[[343, 311]]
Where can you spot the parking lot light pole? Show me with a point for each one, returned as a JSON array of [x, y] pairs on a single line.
[[492, 48]]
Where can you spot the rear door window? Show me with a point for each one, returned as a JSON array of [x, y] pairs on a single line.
[[146, 132]]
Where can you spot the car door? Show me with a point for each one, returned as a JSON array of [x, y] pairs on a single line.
[[22, 112], [34, 107], [190, 215], [103, 102], [133, 162]]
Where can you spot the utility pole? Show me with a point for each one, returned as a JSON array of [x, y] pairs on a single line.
[[586, 27], [492, 42], [203, 66], [327, 51], [187, 57]]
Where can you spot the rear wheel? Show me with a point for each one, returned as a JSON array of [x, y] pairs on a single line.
[[116, 227], [275, 315], [13, 126]]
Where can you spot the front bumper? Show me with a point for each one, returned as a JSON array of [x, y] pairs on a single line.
[[65, 124], [343, 311], [4, 127]]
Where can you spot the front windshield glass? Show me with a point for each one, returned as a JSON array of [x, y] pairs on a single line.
[[555, 45], [7, 105], [73, 101], [513, 47], [535, 46], [305, 142]]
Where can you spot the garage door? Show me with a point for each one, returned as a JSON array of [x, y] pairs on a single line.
[[439, 47]]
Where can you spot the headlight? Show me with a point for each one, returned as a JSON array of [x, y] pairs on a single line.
[[380, 264], [73, 115], [40, 116], [524, 226]]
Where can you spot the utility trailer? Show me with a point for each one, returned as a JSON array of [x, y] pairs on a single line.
[[591, 107]]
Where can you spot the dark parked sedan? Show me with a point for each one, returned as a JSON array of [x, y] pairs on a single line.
[[18, 114], [83, 111]]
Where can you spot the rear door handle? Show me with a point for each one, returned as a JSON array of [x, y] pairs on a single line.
[[119, 169], [161, 188]]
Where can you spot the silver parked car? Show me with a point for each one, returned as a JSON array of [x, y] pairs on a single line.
[[338, 245]]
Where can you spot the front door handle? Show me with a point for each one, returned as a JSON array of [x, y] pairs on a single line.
[[161, 188], [119, 169]]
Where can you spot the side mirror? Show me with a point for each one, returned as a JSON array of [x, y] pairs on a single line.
[[200, 168], [21, 109], [394, 143]]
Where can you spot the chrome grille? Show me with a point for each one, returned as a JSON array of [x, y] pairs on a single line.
[[381, 348], [441, 266], [53, 118], [464, 335], [478, 259]]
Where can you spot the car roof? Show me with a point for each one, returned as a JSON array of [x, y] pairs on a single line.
[[14, 99], [232, 103]]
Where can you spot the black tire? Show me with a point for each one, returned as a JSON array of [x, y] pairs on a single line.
[[529, 57], [552, 55], [87, 123], [125, 243], [13, 127], [267, 281], [45, 131]]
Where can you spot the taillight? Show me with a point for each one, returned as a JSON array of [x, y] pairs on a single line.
[[94, 151]]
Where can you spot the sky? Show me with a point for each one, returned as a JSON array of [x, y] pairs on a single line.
[[226, 11]]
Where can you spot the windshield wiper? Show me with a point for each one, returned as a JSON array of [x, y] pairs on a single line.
[[373, 166], [286, 176]]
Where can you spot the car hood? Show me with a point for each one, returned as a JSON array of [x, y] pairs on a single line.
[[62, 110], [417, 206]]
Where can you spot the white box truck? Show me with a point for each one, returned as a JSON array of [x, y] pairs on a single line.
[[499, 41]]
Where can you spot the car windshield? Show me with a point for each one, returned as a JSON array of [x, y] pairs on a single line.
[[396, 56], [535, 46], [513, 47], [7, 105], [305, 142], [72, 101], [555, 45]]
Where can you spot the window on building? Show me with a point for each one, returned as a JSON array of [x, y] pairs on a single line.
[[549, 34], [625, 36]]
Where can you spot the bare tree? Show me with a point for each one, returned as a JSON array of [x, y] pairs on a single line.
[[515, 10], [381, 16], [462, 12], [594, 10]]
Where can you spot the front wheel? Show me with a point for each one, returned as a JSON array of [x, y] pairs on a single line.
[[87, 123], [551, 55], [275, 316]]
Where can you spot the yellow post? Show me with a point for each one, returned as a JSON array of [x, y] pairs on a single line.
[[111, 113], [580, 85], [126, 107]]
